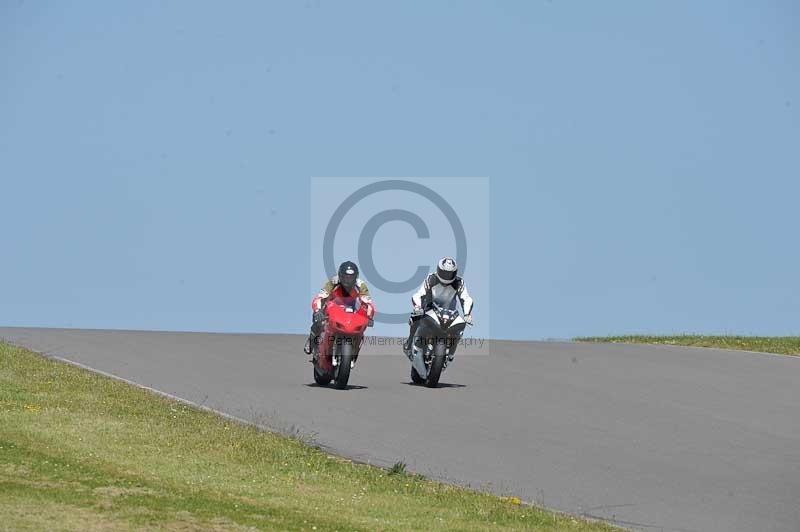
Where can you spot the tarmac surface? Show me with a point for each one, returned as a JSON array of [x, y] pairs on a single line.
[[652, 438]]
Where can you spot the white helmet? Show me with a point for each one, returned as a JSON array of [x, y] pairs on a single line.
[[446, 270]]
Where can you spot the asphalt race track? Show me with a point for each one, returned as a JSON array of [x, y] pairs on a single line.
[[652, 438]]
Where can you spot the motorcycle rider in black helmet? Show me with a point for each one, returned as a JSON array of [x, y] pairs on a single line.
[[347, 282], [436, 285]]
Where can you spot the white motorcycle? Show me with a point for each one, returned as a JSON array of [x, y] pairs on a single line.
[[435, 341]]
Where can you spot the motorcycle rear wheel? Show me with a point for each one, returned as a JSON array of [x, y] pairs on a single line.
[[415, 377]]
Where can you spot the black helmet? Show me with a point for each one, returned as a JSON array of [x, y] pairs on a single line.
[[446, 270], [348, 273]]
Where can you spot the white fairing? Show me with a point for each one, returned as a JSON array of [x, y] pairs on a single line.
[[459, 319], [432, 314], [417, 359]]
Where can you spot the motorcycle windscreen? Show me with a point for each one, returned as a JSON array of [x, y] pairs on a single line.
[[350, 304]]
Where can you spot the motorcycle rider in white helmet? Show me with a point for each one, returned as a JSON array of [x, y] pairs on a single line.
[[444, 283]]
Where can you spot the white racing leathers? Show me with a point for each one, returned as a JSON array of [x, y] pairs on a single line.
[[434, 291]]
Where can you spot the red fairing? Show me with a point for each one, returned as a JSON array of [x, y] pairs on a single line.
[[347, 319], [318, 302]]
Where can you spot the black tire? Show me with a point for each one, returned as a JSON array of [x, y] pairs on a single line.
[[342, 372], [415, 377], [436, 365], [323, 379]]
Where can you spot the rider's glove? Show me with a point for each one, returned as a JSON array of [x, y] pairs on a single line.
[[319, 315], [417, 311], [468, 319], [371, 322]]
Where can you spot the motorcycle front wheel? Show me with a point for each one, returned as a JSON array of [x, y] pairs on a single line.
[[342, 371], [437, 363]]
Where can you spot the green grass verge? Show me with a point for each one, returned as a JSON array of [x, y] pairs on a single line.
[[79, 451], [784, 345]]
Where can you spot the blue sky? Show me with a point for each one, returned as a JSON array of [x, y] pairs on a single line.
[[155, 157]]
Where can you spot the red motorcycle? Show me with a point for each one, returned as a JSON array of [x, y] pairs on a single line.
[[343, 334]]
